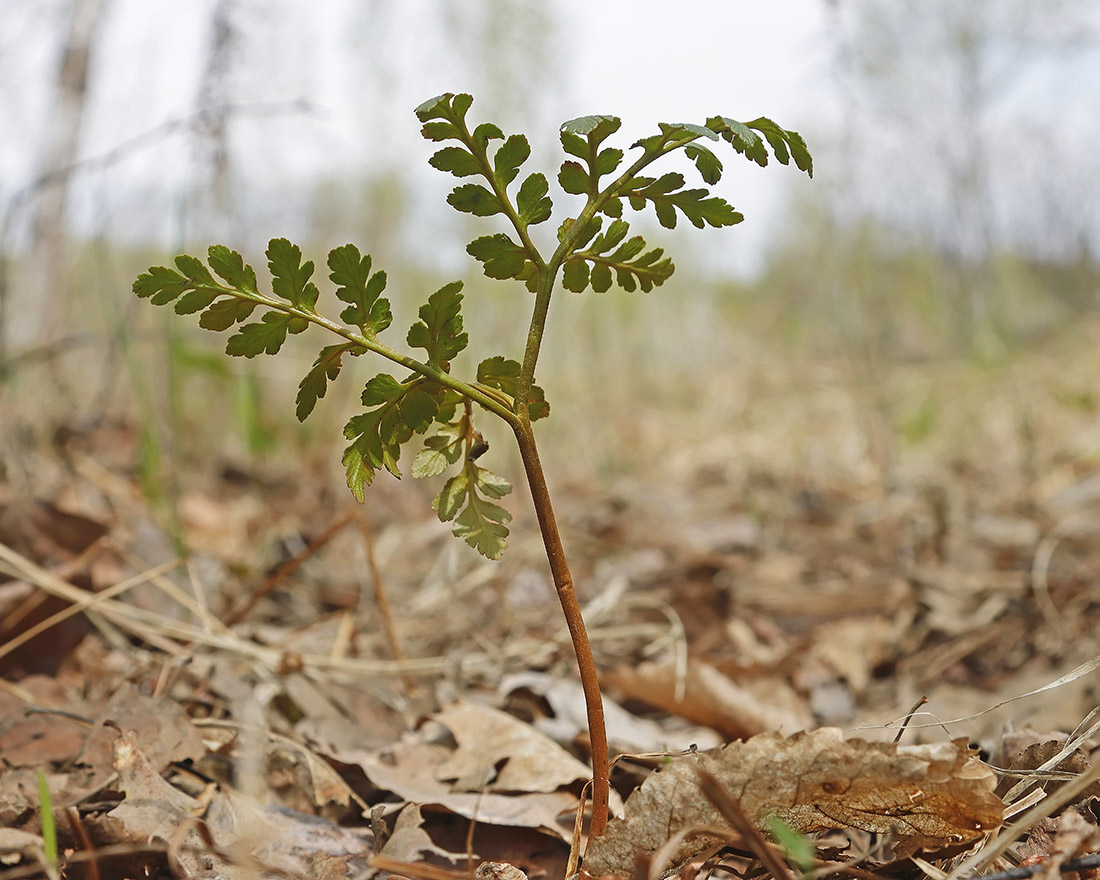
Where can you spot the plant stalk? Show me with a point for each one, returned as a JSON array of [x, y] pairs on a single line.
[[567, 595]]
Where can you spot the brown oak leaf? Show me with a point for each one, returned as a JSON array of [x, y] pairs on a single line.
[[928, 796]]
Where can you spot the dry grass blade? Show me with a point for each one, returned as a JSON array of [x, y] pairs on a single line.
[[381, 595], [149, 625], [195, 606], [1040, 585], [23, 694], [578, 828], [86, 602], [77, 825], [653, 866], [1028, 801]]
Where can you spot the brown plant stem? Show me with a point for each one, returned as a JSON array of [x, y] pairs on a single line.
[[382, 600], [567, 595], [287, 568]]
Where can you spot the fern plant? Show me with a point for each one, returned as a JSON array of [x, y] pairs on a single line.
[[595, 249]]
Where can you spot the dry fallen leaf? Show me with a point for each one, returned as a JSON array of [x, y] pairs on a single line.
[[409, 841], [34, 740], [928, 796], [20, 798], [246, 834], [734, 709], [160, 727], [499, 871], [466, 780], [488, 738], [1032, 758], [152, 809], [1057, 839], [626, 732]]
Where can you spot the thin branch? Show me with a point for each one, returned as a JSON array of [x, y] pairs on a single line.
[[236, 615]]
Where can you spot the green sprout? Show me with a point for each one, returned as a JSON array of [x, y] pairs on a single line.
[[595, 249]]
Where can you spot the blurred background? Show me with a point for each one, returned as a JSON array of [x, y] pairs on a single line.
[[927, 300]]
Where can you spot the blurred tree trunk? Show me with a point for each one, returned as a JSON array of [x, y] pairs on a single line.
[[37, 309], [212, 191]]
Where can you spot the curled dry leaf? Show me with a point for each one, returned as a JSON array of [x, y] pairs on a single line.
[[928, 796], [626, 732], [246, 834], [409, 841], [735, 710], [1025, 764]]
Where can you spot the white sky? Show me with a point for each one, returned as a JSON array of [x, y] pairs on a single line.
[[644, 60], [364, 64]]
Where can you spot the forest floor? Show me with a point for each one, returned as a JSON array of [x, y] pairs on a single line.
[[243, 709]]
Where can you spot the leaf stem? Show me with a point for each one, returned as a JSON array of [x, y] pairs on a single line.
[[490, 402], [534, 343], [427, 370], [548, 271], [596, 202], [582, 648], [480, 153]]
